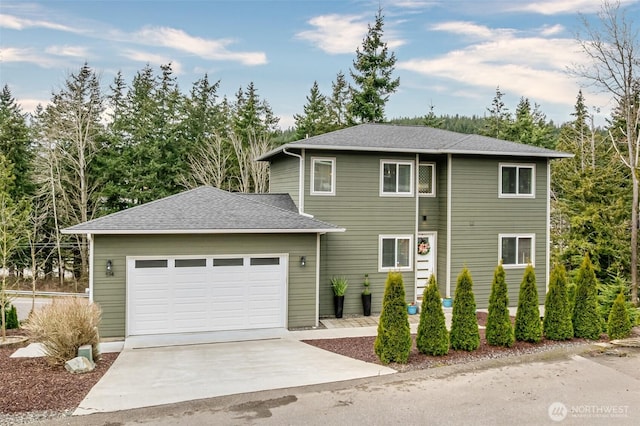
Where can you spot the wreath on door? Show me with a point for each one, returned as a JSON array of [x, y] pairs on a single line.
[[423, 246]]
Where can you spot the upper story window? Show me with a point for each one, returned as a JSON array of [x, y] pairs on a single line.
[[323, 176], [396, 178], [516, 250], [427, 179], [517, 180]]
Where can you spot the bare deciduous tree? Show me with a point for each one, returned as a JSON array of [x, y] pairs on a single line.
[[210, 164], [613, 47]]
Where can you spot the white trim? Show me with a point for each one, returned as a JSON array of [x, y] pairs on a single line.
[[411, 164], [317, 319], [518, 166], [449, 202], [199, 231], [548, 245], [517, 236], [300, 177], [91, 266], [433, 178], [312, 181], [396, 237]]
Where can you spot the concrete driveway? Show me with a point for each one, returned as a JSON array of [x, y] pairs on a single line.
[[163, 375]]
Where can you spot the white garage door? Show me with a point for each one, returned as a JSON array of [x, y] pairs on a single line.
[[205, 293]]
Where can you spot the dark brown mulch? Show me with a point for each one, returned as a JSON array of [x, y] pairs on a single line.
[[30, 384]]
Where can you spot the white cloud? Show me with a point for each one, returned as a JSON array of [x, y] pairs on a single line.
[[15, 23], [471, 29], [337, 34], [73, 51], [29, 105], [13, 54], [153, 59], [550, 30], [205, 48], [557, 7]]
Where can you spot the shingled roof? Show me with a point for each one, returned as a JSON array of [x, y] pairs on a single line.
[[414, 139], [207, 210]]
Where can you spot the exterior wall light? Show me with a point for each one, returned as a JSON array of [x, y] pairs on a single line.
[[109, 268], [303, 260]]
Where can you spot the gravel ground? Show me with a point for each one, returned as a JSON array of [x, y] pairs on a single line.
[[31, 390]]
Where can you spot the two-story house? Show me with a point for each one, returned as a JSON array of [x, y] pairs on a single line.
[[362, 200]]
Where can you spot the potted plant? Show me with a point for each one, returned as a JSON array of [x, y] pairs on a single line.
[[412, 308], [366, 296], [339, 285]]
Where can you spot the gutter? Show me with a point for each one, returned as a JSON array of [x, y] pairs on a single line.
[[300, 179]]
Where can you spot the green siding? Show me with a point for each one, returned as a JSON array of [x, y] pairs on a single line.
[[479, 216], [283, 176], [358, 207], [110, 292]]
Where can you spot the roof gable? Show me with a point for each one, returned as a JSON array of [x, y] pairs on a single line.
[[206, 210]]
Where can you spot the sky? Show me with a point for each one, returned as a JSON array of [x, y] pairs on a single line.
[[451, 54]]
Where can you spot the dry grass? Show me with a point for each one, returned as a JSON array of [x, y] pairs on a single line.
[[63, 327]]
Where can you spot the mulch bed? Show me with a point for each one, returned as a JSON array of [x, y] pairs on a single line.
[[30, 384]]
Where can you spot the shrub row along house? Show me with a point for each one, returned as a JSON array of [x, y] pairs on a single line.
[[363, 200]]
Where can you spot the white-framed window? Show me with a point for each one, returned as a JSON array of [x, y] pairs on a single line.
[[517, 180], [323, 176], [516, 250], [395, 252], [396, 178], [427, 179]]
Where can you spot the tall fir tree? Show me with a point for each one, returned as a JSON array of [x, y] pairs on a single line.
[[315, 119], [557, 323], [338, 103], [372, 76], [586, 320], [432, 337], [499, 119], [464, 323], [528, 327], [499, 331]]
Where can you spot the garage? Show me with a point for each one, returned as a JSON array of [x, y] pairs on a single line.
[[206, 293]]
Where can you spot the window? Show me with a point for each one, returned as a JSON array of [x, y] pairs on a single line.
[[396, 177], [262, 261], [427, 179], [190, 263], [233, 261], [323, 176], [395, 252], [140, 264], [516, 250], [517, 180]]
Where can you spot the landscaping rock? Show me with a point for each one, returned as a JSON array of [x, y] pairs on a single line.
[[79, 365]]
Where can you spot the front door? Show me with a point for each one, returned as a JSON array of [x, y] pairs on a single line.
[[425, 260]]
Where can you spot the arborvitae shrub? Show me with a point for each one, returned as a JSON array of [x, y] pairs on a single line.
[[464, 323], [572, 288], [432, 337], [557, 323], [499, 331], [528, 327], [586, 320], [619, 324], [11, 318], [608, 293], [393, 343]]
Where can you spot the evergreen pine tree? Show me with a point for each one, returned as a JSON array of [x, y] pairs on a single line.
[[586, 321], [393, 342], [499, 331], [528, 327], [557, 313], [432, 337], [619, 324], [464, 323]]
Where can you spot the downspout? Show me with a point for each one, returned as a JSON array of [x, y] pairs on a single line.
[[91, 266], [300, 178], [317, 320], [449, 191], [548, 248], [415, 243]]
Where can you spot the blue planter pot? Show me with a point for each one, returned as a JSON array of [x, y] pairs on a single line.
[[412, 309], [447, 303]]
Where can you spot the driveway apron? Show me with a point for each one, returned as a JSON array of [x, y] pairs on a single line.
[[164, 375]]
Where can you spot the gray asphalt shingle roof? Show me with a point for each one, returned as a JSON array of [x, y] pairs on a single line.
[[207, 210], [414, 139]]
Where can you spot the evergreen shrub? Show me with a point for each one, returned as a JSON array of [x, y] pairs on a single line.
[[499, 331], [557, 323], [528, 327], [586, 320], [432, 337], [464, 323], [393, 342], [619, 324]]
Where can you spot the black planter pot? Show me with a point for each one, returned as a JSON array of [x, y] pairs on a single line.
[[338, 303], [366, 304]]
